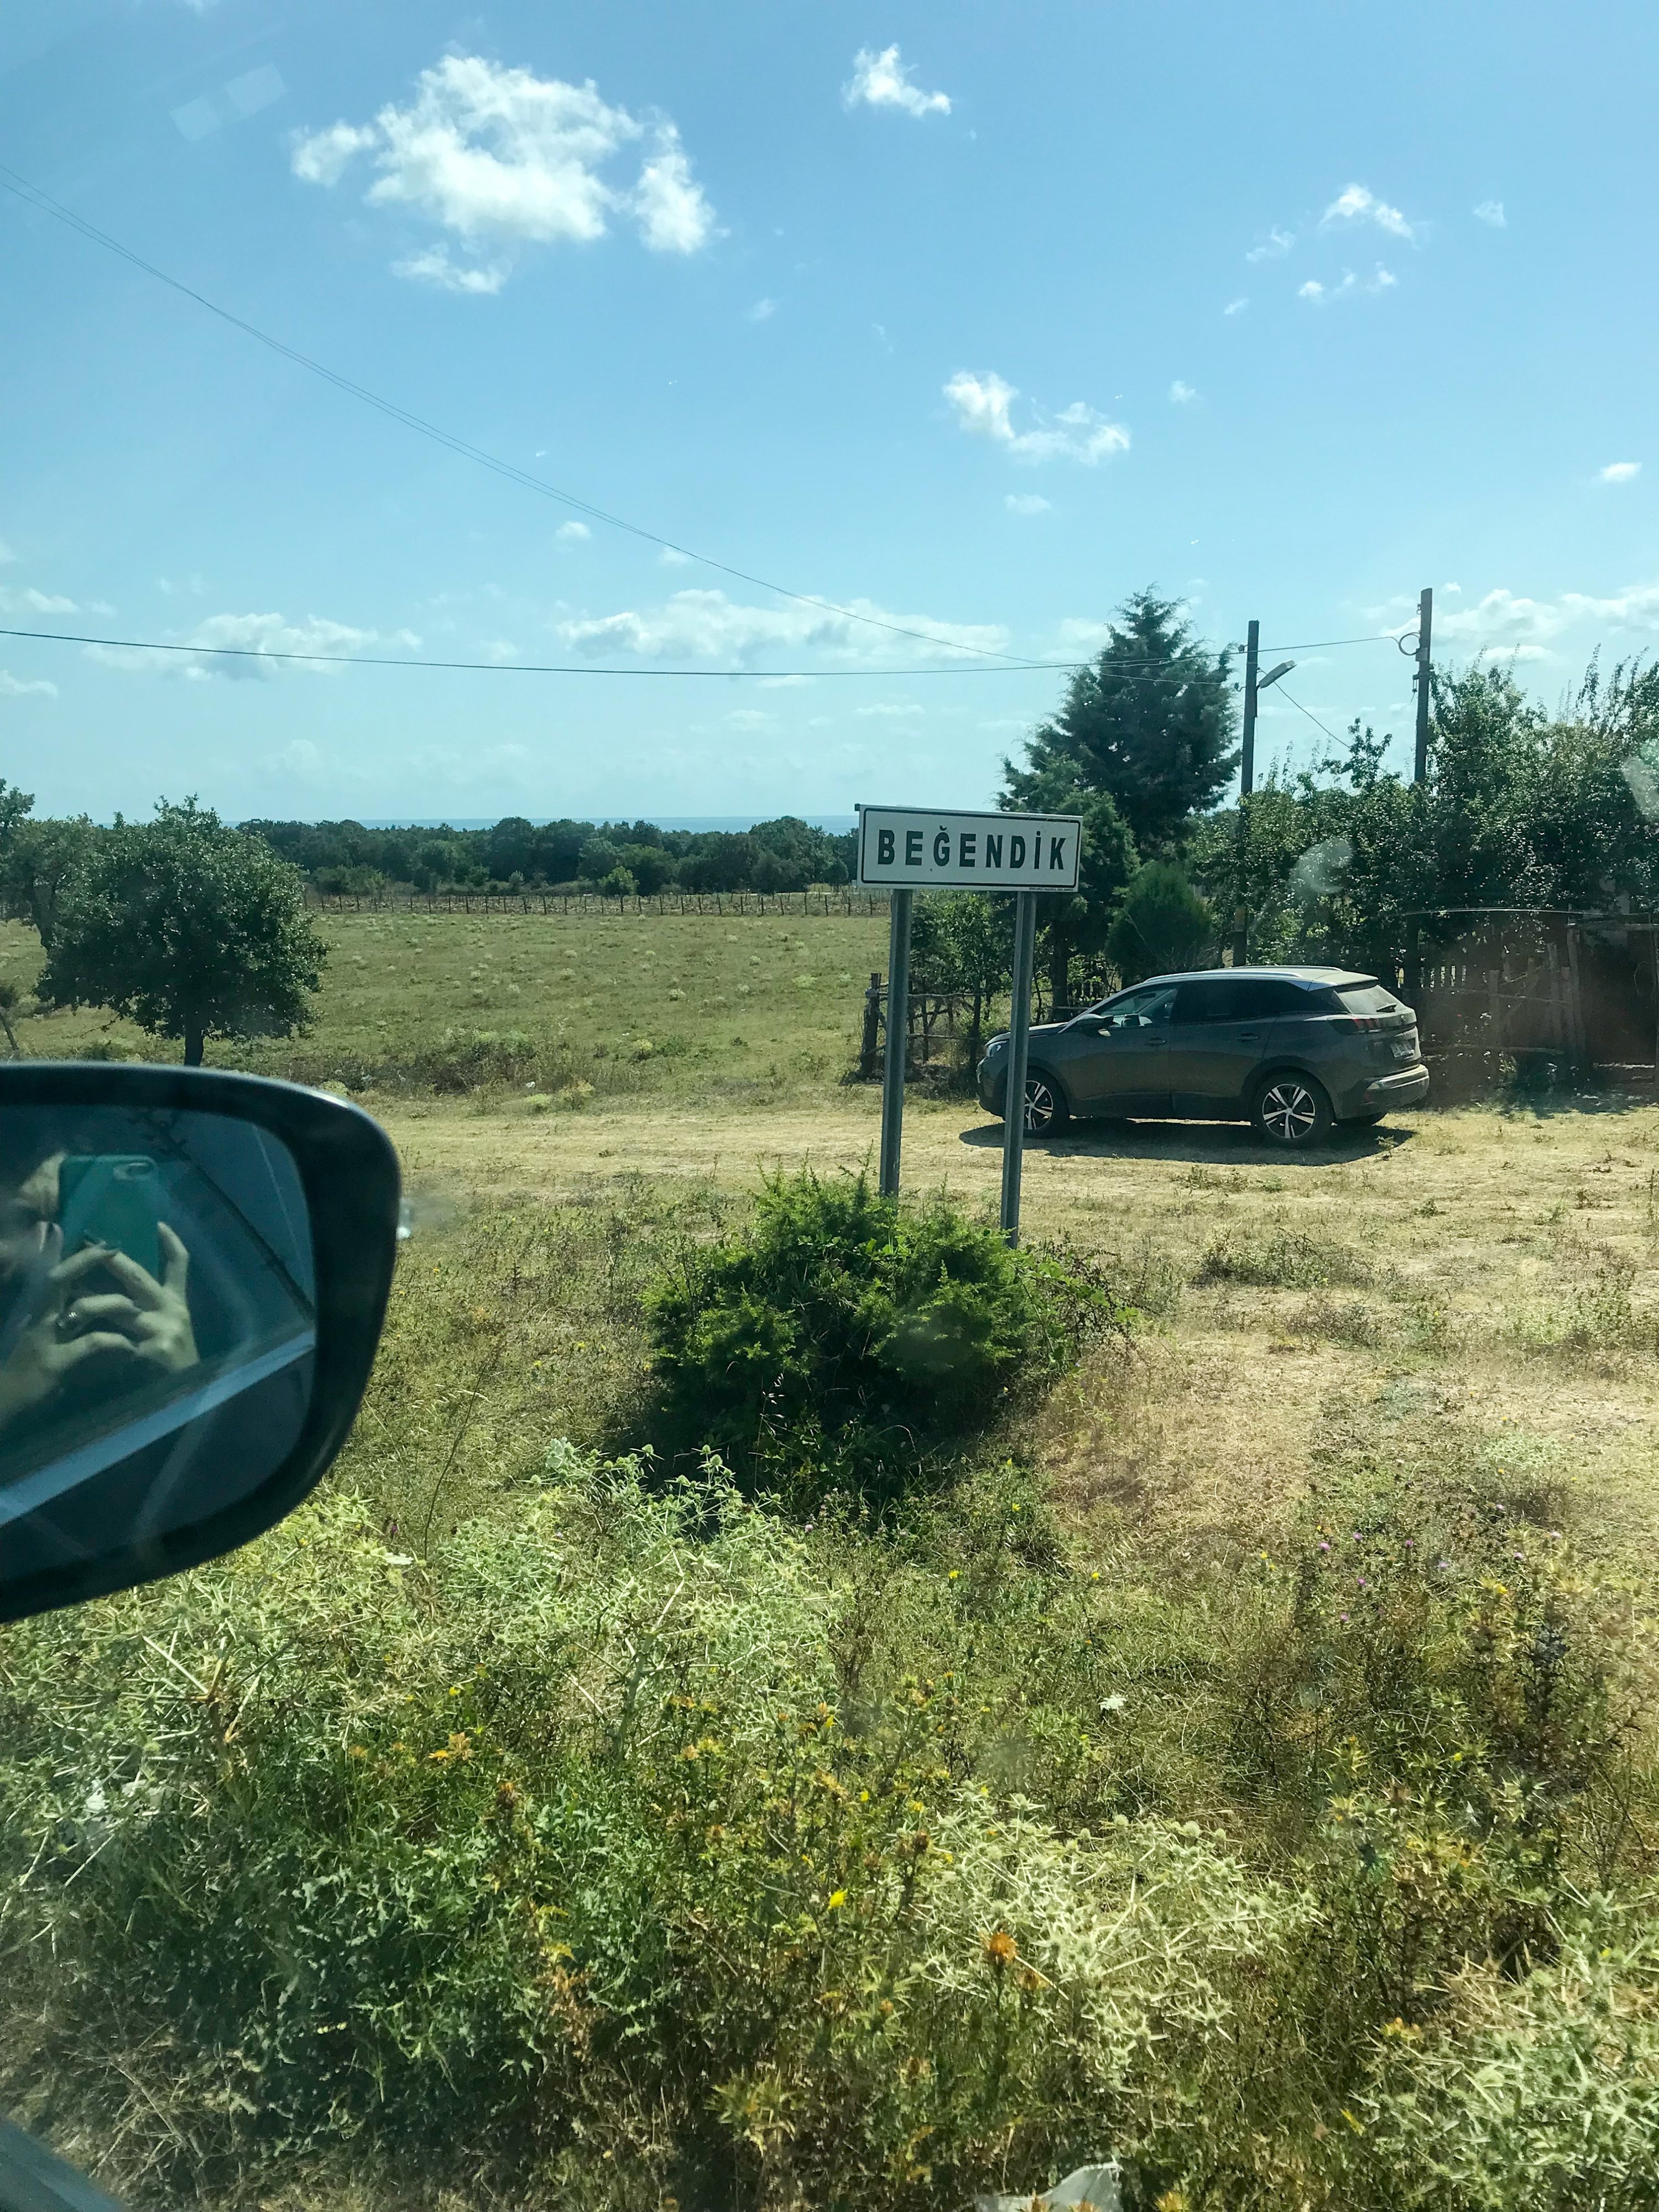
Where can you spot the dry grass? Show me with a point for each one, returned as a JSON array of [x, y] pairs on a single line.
[[1460, 1273]]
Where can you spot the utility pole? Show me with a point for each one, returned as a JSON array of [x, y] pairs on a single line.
[[1419, 772], [1424, 633], [898, 1037], [1246, 786]]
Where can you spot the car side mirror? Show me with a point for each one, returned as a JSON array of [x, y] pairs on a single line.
[[194, 1269]]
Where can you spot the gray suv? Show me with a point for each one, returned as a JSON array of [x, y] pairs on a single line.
[[1291, 1049]]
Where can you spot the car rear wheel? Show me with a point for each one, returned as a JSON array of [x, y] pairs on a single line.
[[1046, 1110], [1291, 1112]]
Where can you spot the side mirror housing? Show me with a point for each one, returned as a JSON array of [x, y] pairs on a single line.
[[194, 1269]]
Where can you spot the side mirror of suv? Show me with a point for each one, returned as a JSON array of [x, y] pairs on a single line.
[[194, 1269]]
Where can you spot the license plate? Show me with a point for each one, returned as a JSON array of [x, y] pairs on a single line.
[[1404, 1052]]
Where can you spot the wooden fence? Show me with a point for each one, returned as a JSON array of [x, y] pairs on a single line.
[[1581, 992], [847, 902]]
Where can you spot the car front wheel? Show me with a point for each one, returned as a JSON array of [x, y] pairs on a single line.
[[1046, 1111], [1291, 1112]]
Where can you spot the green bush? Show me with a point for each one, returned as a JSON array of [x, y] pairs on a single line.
[[845, 1343]]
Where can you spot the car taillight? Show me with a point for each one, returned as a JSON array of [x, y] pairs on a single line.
[[1356, 1024]]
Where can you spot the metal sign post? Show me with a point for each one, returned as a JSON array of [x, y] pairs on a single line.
[[905, 849], [898, 1037], [1019, 1038]]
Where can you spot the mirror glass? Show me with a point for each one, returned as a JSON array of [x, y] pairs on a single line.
[[157, 1326]]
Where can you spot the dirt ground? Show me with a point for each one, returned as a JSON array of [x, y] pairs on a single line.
[[1477, 1281]]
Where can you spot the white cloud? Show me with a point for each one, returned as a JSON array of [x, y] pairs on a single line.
[[322, 157], [707, 625], [1383, 280], [1080, 633], [1273, 247], [1357, 203], [246, 639], [1182, 395], [672, 557], [1503, 618], [752, 717], [1620, 471], [1491, 212], [762, 312], [500, 158], [31, 602], [1025, 502], [673, 215], [892, 710], [1235, 306], [435, 267], [573, 533], [984, 403], [883, 80], [19, 687]]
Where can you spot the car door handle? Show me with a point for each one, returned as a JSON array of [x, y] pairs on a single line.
[[1249, 1036]]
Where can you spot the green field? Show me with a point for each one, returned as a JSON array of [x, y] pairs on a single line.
[[673, 1006]]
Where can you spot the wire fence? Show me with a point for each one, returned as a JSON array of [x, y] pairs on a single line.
[[823, 902]]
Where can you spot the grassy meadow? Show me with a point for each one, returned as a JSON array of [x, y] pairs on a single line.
[[1245, 1764], [680, 1007]]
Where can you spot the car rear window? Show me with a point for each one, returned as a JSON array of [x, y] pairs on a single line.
[[1367, 999]]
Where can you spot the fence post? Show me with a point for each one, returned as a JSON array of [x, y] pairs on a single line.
[[872, 1023], [1575, 1000]]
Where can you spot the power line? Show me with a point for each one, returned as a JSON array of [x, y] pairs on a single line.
[[1301, 709], [32, 195], [528, 667]]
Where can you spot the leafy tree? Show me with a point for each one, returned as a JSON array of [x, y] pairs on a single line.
[[1150, 722], [1164, 924], [190, 928], [964, 941]]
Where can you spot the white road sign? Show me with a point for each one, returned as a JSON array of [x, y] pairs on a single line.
[[912, 848]]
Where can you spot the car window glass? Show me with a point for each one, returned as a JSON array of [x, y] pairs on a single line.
[[1140, 1010], [1208, 1001], [1263, 996], [1367, 999]]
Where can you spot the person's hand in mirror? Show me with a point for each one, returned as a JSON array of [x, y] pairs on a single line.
[[82, 1329]]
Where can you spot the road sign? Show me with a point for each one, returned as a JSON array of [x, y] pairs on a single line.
[[913, 848]]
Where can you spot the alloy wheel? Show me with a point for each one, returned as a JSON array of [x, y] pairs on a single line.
[[1289, 1112], [1042, 1107]]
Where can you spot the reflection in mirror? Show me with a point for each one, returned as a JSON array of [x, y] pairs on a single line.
[[157, 1326]]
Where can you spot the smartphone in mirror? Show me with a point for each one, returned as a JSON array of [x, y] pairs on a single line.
[[160, 1313]]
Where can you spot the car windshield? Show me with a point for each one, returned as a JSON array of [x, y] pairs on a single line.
[[612, 585]]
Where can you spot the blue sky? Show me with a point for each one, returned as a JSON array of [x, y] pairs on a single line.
[[970, 319]]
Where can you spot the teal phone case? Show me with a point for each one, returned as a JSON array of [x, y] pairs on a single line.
[[113, 1199]]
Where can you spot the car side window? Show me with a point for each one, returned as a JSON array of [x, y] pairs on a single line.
[[1262, 997], [1140, 1010], [1208, 1001]]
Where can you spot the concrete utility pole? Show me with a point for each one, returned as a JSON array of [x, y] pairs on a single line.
[[1424, 634], [1420, 769], [1019, 1038], [1246, 786], [898, 1037]]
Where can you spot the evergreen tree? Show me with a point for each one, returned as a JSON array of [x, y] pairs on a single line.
[[1150, 722]]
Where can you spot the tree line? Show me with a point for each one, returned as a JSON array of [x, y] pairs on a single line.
[[614, 858]]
